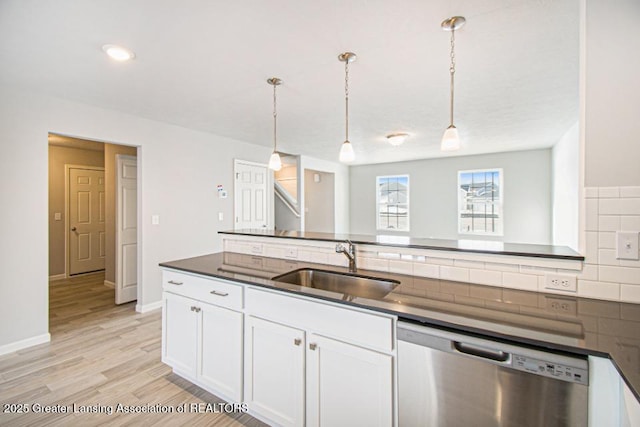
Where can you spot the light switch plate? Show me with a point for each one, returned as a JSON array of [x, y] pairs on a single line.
[[155, 219], [220, 216], [57, 216], [627, 245]]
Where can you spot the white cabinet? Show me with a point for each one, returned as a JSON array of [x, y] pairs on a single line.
[[180, 338], [295, 374], [202, 341], [348, 385], [274, 371]]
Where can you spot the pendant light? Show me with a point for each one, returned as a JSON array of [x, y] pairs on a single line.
[[347, 154], [451, 139], [274, 161]]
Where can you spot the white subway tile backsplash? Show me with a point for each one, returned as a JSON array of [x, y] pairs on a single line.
[[454, 273], [426, 270], [607, 240], [439, 261], [609, 207], [538, 271], [630, 293], [338, 259], [400, 267], [601, 290], [484, 277], [626, 275], [591, 206], [609, 222], [630, 223], [591, 247], [604, 192], [629, 191], [526, 282], [630, 206], [591, 192], [467, 264], [494, 266], [378, 264], [589, 272], [607, 257]]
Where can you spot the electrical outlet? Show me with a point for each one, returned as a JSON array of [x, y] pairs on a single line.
[[560, 282], [256, 249], [291, 253]]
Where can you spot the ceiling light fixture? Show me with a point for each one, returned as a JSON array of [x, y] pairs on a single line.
[[451, 139], [347, 154], [118, 53], [396, 139], [274, 161]]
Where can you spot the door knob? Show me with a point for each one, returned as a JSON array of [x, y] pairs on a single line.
[[73, 229]]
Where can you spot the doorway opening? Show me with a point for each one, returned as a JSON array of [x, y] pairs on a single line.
[[93, 216]]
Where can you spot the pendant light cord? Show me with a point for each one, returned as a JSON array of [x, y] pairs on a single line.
[[346, 99], [275, 115], [452, 72]]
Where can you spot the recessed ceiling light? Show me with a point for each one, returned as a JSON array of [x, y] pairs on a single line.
[[396, 139], [118, 53]]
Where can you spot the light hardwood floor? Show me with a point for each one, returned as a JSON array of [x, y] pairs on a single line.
[[100, 354]]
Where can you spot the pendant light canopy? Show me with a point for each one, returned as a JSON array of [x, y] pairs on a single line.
[[347, 154], [274, 161], [451, 139]]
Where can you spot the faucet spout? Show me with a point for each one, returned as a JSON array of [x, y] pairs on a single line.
[[350, 253]]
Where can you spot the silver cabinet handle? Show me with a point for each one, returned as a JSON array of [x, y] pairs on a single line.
[[313, 346], [173, 282], [193, 308], [198, 309], [218, 293], [297, 341]]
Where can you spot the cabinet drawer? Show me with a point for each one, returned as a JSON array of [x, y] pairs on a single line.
[[350, 325], [209, 290]]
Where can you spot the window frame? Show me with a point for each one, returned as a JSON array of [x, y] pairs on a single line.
[[378, 227], [500, 232]]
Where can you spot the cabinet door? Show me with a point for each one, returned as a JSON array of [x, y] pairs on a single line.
[[220, 366], [348, 385], [180, 336], [274, 371]]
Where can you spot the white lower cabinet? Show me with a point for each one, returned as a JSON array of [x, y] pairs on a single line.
[[348, 385], [296, 376], [274, 371], [203, 343]]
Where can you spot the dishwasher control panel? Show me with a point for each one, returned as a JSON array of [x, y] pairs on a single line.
[[550, 369]]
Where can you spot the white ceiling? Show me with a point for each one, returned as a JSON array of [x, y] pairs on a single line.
[[203, 64]]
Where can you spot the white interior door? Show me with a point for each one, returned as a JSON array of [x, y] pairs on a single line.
[[251, 196], [86, 213], [126, 229]]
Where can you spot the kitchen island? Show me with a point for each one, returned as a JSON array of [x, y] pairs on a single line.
[[554, 322]]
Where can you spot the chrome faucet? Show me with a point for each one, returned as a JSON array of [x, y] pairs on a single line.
[[349, 253]]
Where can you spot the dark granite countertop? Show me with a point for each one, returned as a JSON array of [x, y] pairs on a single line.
[[476, 246], [554, 322]]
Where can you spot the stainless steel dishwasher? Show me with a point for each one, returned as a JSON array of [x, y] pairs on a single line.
[[451, 379]]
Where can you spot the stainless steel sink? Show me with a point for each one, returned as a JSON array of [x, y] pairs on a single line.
[[351, 285]]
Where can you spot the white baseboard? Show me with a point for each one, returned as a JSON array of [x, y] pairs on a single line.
[[109, 284], [57, 277], [29, 342], [148, 307]]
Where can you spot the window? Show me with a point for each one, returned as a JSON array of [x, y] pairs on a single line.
[[480, 202], [392, 200]]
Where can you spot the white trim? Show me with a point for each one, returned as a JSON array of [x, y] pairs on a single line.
[[57, 277], [67, 176], [109, 284], [29, 342], [140, 308], [582, 94]]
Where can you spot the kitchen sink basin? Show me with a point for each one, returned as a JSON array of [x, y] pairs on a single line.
[[351, 285]]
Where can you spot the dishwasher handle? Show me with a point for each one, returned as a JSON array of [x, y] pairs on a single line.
[[485, 353]]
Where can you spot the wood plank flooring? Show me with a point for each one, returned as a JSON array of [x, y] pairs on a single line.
[[101, 355]]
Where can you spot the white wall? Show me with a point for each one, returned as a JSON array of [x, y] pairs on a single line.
[[434, 197], [180, 169], [319, 210], [566, 183], [612, 93], [341, 200]]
